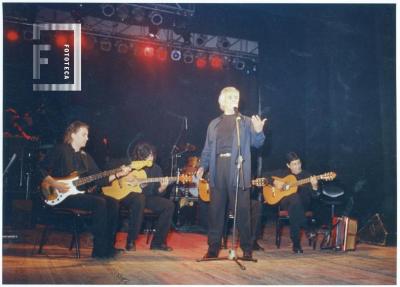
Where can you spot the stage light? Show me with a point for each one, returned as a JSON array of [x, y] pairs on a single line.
[[153, 31], [201, 61], [123, 12], [138, 14], [12, 35], [148, 51], [122, 47], [105, 45], [239, 64], [176, 55], [188, 57], [28, 35], [162, 53], [156, 18], [216, 62], [223, 43], [61, 39], [201, 40], [108, 10], [87, 42]]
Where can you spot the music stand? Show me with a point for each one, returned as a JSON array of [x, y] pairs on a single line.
[[232, 251]]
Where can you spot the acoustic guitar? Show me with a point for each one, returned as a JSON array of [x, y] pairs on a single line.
[[273, 195], [54, 197], [204, 190], [132, 182]]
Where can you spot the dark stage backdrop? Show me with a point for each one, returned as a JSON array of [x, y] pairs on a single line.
[[326, 79]]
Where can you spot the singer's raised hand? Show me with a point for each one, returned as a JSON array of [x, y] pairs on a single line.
[[258, 124]]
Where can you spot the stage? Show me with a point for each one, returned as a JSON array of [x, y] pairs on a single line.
[[369, 264]]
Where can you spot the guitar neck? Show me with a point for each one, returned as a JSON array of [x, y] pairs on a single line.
[[90, 178], [307, 180], [155, 179]]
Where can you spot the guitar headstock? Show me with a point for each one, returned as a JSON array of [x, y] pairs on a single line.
[[328, 176], [185, 178], [260, 182]]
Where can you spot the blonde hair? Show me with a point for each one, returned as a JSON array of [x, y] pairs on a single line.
[[73, 128], [230, 93]]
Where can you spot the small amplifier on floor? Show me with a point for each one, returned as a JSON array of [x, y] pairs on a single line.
[[344, 233]]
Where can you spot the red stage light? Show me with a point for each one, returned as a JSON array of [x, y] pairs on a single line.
[[87, 42], [62, 39], [201, 63], [148, 51], [162, 54], [216, 62], [12, 36]]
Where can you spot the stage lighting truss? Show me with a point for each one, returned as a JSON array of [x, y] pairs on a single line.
[[200, 40], [105, 45], [122, 47], [123, 12], [223, 43]]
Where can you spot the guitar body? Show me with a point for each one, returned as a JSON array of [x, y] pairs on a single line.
[[273, 195], [55, 197], [204, 190], [120, 188]]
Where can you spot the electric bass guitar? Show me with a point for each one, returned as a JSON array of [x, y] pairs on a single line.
[[273, 195], [133, 182], [54, 196]]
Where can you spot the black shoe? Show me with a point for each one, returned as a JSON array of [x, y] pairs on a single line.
[[162, 247], [131, 246], [210, 254], [297, 249], [247, 255], [257, 247]]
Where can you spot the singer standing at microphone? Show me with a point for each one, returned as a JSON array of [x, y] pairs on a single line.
[[219, 155]]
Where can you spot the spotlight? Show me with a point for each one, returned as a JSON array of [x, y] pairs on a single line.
[[123, 12], [122, 47], [148, 51], [216, 62], [28, 35], [201, 40], [105, 45], [239, 64], [201, 61], [162, 53], [138, 14], [108, 10], [223, 43], [156, 18], [153, 31], [176, 55], [188, 57], [12, 35], [87, 42]]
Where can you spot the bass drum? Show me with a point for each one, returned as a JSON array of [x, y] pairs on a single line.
[[204, 190]]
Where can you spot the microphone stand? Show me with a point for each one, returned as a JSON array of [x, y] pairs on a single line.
[[239, 172]]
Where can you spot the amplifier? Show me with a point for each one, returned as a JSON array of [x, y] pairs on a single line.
[[344, 233]]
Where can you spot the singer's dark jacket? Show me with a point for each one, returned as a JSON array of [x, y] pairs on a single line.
[[248, 138]]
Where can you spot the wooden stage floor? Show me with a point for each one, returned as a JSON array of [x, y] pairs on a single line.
[[367, 265]]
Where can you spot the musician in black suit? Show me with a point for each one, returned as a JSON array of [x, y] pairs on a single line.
[[69, 157], [297, 203], [152, 198]]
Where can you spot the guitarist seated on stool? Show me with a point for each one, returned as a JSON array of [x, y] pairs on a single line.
[[297, 203], [68, 158], [151, 198]]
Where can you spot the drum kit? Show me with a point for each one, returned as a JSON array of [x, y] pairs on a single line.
[[190, 196]]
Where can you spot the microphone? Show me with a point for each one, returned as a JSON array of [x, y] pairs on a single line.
[[14, 156], [238, 115]]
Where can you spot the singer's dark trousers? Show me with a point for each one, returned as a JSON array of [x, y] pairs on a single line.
[[222, 195]]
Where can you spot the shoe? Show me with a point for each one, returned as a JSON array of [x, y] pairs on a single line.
[[131, 246], [247, 255], [210, 254], [297, 249], [257, 247], [162, 247]]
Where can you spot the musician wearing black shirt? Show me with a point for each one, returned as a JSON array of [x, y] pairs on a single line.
[[297, 203], [70, 157], [152, 198]]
